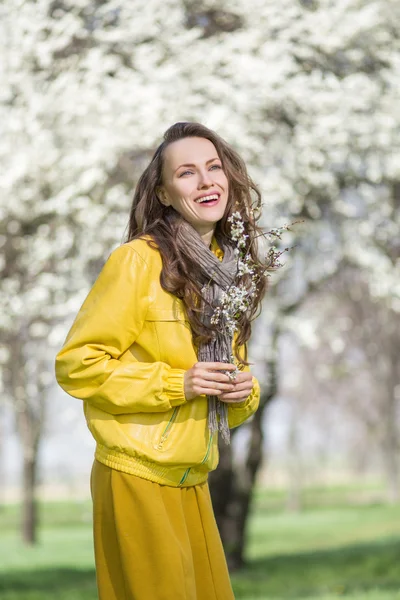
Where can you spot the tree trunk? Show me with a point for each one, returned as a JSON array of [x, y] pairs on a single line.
[[390, 448], [392, 477], [29, 506], [391, 445], [2, 464], [29, 407], [294, 497], [232, 485]]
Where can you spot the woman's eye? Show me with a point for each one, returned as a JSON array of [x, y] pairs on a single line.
[[191, 172]]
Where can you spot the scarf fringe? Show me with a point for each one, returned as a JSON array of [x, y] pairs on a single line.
[[218, 418]]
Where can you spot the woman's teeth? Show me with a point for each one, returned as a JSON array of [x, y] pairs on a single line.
[[207, 198]]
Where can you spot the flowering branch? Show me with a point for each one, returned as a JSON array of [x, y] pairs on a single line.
[[240, 296]]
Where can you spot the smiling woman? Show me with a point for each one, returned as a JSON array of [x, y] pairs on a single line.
[[160, 381], [197, 190]]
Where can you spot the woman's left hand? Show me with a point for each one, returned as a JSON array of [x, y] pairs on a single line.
[[243, 385]]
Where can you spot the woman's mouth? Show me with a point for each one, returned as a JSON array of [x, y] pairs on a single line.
[[210, 200]]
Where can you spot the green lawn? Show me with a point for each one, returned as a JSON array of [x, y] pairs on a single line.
[[334, 548]]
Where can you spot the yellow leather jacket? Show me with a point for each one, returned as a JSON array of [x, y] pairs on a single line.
[[125, 356]]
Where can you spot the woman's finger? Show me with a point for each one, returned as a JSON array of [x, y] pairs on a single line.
[[214, 376], [236, 394], [235, 400], [240, 391], [208, 391], [242, 386], [243, 376], [225, 387]]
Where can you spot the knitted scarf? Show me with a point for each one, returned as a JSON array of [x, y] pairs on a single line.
[[216, 276]]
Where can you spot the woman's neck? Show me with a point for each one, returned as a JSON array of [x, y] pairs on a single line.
[[207, 236]]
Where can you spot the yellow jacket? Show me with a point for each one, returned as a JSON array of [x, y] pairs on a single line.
[[125, 356]]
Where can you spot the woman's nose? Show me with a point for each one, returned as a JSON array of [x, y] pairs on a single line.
[[205, 179]]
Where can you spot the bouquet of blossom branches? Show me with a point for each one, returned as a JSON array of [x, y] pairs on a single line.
[[239, 297]]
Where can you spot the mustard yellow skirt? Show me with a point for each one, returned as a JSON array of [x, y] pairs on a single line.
[[155, 542]]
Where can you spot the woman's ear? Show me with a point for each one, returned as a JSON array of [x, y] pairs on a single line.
[[162, 196]]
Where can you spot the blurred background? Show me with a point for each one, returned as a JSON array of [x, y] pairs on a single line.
[[308, 92]]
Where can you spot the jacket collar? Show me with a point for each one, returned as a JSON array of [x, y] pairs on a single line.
[[215, 249]]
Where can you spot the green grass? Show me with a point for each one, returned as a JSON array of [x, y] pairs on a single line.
[[331, 550]]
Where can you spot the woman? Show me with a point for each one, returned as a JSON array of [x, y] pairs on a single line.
[[159, 377]]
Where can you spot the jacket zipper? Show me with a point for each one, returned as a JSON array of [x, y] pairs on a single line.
[[164, 434], [186, 473], [208, 449]]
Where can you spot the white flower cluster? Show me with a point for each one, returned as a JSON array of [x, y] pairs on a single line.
[[234, 301], [237, 230], [238, 298]]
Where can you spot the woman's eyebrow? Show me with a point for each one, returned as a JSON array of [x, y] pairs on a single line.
[[193, 165]]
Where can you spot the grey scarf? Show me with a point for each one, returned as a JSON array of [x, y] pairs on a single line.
[[217, 276]]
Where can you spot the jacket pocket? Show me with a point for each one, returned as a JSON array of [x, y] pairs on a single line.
[[166, 430], [171, 332], [183, 437]]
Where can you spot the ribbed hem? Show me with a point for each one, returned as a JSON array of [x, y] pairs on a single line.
[[164, 475], [174, 387]]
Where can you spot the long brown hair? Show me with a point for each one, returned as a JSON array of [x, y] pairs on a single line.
[[180, 272]]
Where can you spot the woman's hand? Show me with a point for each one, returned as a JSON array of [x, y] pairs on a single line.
[[209, 378], [243, 384]]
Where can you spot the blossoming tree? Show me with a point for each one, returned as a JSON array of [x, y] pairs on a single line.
[[307, 92]]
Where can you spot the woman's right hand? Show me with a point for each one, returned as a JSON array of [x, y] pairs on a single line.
[[207, 378]]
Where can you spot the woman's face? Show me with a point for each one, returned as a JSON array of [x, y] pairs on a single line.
[[194, 183]]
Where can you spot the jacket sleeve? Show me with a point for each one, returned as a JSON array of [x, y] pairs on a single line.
[[110, 320]]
